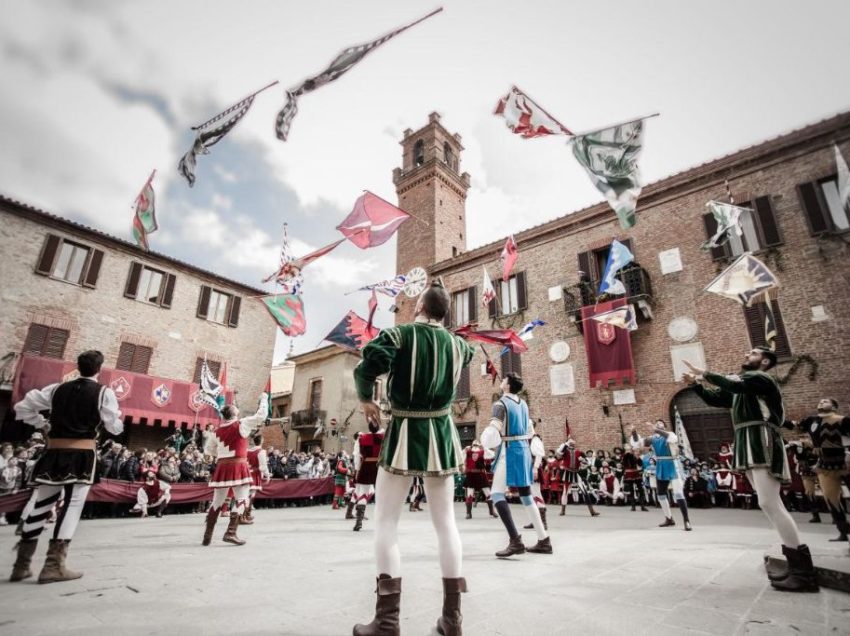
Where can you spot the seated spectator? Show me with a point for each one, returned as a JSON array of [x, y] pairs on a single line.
[[187, 468], [153, 494], [696, 490], [131, 469]]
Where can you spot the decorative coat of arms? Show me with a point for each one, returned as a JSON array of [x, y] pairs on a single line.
[[605, 333], [121, 387], [161, 395]]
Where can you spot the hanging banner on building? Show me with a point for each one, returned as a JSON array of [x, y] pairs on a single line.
[[609, 348]]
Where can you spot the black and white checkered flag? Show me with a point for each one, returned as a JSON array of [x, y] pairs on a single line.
[[340, 65]]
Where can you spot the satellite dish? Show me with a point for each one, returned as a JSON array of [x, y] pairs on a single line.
[[414, 282]]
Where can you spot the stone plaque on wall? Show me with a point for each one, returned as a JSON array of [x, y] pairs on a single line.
[[624, 396], [692, 352], [671, 261], [562, 379]]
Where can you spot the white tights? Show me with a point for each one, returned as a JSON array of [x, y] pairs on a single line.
[[362, 493], [767, 487], [390, 493], [240, 494]]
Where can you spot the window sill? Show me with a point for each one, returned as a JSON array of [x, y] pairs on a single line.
[[69, 282]]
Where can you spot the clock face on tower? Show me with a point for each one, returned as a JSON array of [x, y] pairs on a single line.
[[414, 282]]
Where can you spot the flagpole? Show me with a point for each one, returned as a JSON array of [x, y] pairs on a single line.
[[395, 206], [543, 110], [254, 94], [147, 183], [622, 123]]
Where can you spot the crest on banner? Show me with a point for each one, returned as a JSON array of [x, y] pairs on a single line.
[[605, 333], [161, 395], [121, 387]]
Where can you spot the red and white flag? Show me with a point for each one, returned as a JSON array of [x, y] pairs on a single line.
[[508, 257], [488, 293], [526, 118], [372, 221]]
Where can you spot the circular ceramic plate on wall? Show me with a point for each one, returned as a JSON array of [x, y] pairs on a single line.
[[682, 329], [559, 351]]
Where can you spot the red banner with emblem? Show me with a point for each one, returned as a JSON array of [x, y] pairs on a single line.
[[609, 348], [146, 399]]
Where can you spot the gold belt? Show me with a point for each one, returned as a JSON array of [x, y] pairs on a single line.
[[68, 443], [421, 414]]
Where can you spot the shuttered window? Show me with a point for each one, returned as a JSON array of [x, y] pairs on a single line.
[[511, 363], [218, 306], [462, 391], [759, 227], [822, 206], [755, 318], [47, 342], [315, 395], [135, 358], [72, 262], [150, 285], [512, 295], [464, 307], [593, 262], [214, 365]]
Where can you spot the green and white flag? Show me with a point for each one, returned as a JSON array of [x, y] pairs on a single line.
[[610, 158], [144, 220], [728, 217]]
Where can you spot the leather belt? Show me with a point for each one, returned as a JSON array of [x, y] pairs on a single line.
[[421, 414], [232, 460], [516, 438], [68, 443]]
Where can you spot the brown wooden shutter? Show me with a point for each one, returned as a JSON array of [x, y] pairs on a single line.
[[36, 338], [722, 251], [585, 264], [816, 213], [196, 378], [521, 291], [204, 301], [48, 255], [491, 308], [56, 341], [142, 360], [462, 391], [754, 317], [783, 347], [766, 217], [511, 363], [234, 304], [168, 294], [93, 271], [473, 303], [125, 356], [132, 287]]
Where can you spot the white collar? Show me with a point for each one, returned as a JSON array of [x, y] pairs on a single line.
[[512, 396], [431, 322]]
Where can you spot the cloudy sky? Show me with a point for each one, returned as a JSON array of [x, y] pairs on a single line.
[[98, 93]]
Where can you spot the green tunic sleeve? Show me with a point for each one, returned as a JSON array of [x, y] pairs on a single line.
[[377, 359], [750, 382], [714, 397]]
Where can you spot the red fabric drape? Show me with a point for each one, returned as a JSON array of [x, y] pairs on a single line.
[[115, 491], [609, 348], [135, 391]]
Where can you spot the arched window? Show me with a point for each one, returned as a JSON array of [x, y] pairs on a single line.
[[418, 153], [449, 156]]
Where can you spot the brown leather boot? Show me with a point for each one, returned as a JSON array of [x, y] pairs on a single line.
[[801, 571], [230, 534], [543, 518], [54, 569], [490, 508], [247, 517], [212, 518], [385, 622], [361, 512], [563, 510], [449, 624], [668, 522], [21, 569], [469, 507], [416, 507], [349, 509], [515, 546], [543, 546]]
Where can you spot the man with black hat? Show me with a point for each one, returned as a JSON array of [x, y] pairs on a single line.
[[757, 413], [77, 410]]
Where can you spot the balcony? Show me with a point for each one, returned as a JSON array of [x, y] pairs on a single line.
[[638, 286], [308, 418]]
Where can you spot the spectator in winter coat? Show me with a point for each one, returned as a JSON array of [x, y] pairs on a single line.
[[131, 469]]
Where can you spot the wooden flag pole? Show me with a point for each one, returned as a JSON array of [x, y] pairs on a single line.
[[622, 123], [542, 110]]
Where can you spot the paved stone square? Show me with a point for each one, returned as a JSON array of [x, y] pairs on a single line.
[[303, 571]]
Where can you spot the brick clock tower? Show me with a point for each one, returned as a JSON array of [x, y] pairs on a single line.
[[430, 187]]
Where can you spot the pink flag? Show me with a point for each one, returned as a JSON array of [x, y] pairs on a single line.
[[505, 337], [508, 257], [526, 118], [372, 221]]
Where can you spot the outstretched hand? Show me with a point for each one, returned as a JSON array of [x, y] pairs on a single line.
[[372, 412], [695, 370]]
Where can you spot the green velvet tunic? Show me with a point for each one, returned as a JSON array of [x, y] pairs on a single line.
[[757, 413], [423, 362]]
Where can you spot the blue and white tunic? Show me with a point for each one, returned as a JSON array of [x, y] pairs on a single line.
[[510, 416], [665, 456]]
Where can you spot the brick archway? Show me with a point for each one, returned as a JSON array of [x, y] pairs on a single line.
[[707, 427]]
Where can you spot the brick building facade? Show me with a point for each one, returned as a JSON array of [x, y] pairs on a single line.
[[795, 226], [67, 288]]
